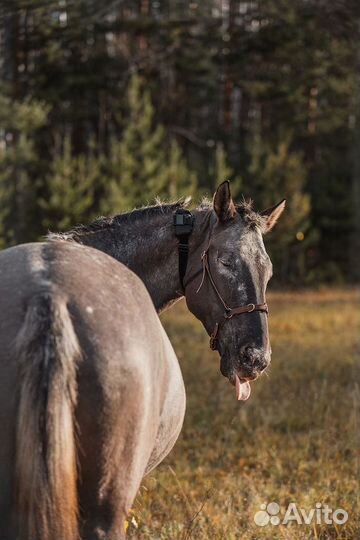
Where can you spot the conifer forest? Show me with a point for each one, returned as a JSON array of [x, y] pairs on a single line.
[[106, 105]]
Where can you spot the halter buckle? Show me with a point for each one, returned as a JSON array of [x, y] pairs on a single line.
[[251, 308]]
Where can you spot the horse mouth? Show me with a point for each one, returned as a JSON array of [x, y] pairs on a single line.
[[241, 380]]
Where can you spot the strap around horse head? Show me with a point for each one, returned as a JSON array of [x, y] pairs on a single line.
[[184, 221], [229, 312]]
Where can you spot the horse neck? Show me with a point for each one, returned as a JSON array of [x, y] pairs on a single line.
[[148, 246]]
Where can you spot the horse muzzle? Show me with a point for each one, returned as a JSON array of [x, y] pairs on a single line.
[[248, 364]]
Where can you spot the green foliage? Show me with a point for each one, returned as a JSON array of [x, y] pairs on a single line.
[[223, 171], [181, 181], [71, 187], [279, 173], [22, 117], [216, 95], [142, 164], [18, 161], [137, 160]]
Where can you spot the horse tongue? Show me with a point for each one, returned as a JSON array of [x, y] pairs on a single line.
[[243, 389]]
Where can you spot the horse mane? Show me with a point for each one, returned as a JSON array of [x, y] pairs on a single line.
[[245, 209], [104, 223]]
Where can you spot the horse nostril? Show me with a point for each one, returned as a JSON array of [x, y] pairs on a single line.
[[247, 353], [254, 358]]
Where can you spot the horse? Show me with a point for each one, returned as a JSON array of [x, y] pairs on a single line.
[[91, 393]]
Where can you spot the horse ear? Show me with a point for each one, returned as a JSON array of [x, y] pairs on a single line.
[[223, 203], [272, 215]]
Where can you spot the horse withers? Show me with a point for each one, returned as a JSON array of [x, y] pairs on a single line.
[[91, 393]]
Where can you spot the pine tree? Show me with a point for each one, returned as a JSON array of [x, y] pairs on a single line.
[[142, 165], [223, 171], [278, 173], [137, 160], [214, 74], [71, 187], [18, 161], [181, 181]]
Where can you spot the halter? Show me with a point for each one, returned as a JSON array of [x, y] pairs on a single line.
[[229, 312], [183, 223]]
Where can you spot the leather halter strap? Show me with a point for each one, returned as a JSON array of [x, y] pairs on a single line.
[[183, 223], [229, 311]]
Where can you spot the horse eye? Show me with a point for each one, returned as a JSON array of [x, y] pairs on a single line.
[[225, 262]]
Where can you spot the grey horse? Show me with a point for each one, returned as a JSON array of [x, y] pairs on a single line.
[[91, 393]]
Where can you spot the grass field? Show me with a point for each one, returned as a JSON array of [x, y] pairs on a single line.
[[295, 440]]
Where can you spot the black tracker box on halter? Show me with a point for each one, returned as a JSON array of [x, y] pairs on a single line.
[[184, 222]]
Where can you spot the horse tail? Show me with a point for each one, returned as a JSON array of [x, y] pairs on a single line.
[[45, 463]]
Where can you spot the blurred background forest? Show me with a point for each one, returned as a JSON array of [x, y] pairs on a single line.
[[105, 105]]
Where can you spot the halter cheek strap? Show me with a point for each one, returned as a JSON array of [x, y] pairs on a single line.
[[183, 223]]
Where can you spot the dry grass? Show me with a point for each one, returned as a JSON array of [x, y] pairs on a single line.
[[296, 439]]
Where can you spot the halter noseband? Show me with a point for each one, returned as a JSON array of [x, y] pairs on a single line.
[[183, 234]]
